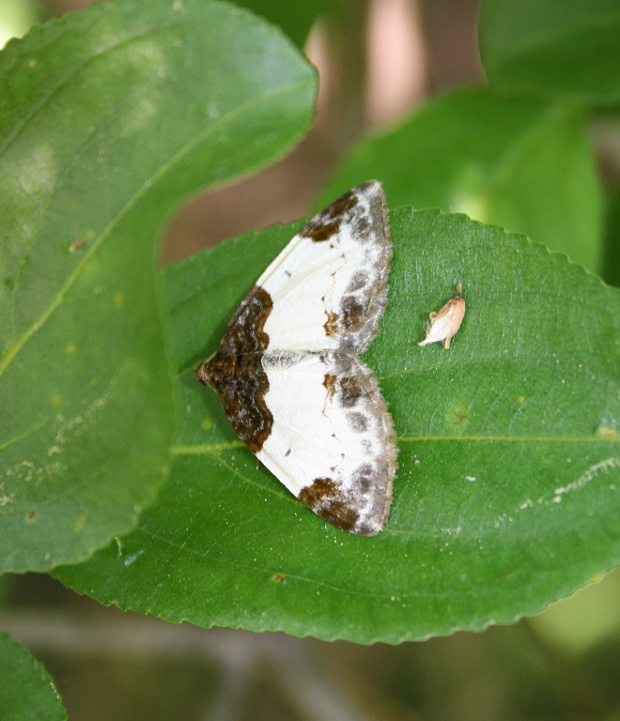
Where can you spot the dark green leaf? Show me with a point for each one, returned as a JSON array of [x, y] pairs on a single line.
[[107, 119], [26, 692], [522, 164], [507, 495], [553, 47], [611, 260], [295, 18]]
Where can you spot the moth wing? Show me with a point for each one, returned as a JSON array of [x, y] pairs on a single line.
[[332, 440], [328, 287]]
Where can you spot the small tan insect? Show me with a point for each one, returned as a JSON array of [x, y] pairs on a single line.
[[446, 322]]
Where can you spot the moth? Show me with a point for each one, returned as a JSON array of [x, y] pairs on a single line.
[[288, 371]]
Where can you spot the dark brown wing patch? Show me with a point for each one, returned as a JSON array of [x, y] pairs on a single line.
[[327, 223], [244, 333], [235, 371], [326, 500]]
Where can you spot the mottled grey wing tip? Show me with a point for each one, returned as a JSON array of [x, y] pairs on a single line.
[[350, 513], [369, 299], [374, 516], [357, 222], [358, 496]]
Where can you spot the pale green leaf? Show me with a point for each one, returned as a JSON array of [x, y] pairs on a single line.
[[108, 118], [553, 47]]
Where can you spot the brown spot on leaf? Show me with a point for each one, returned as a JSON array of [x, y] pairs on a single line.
[[459, 416]]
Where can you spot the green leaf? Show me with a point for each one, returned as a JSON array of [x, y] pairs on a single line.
[[515, 162], [295, 18], [553, 47], [27, 692], [108, 118], [611, 260], [508, 490]]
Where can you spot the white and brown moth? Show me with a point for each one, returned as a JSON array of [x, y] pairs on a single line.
[[288, 373]]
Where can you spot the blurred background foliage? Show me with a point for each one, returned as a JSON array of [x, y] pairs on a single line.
[[379, 62]]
